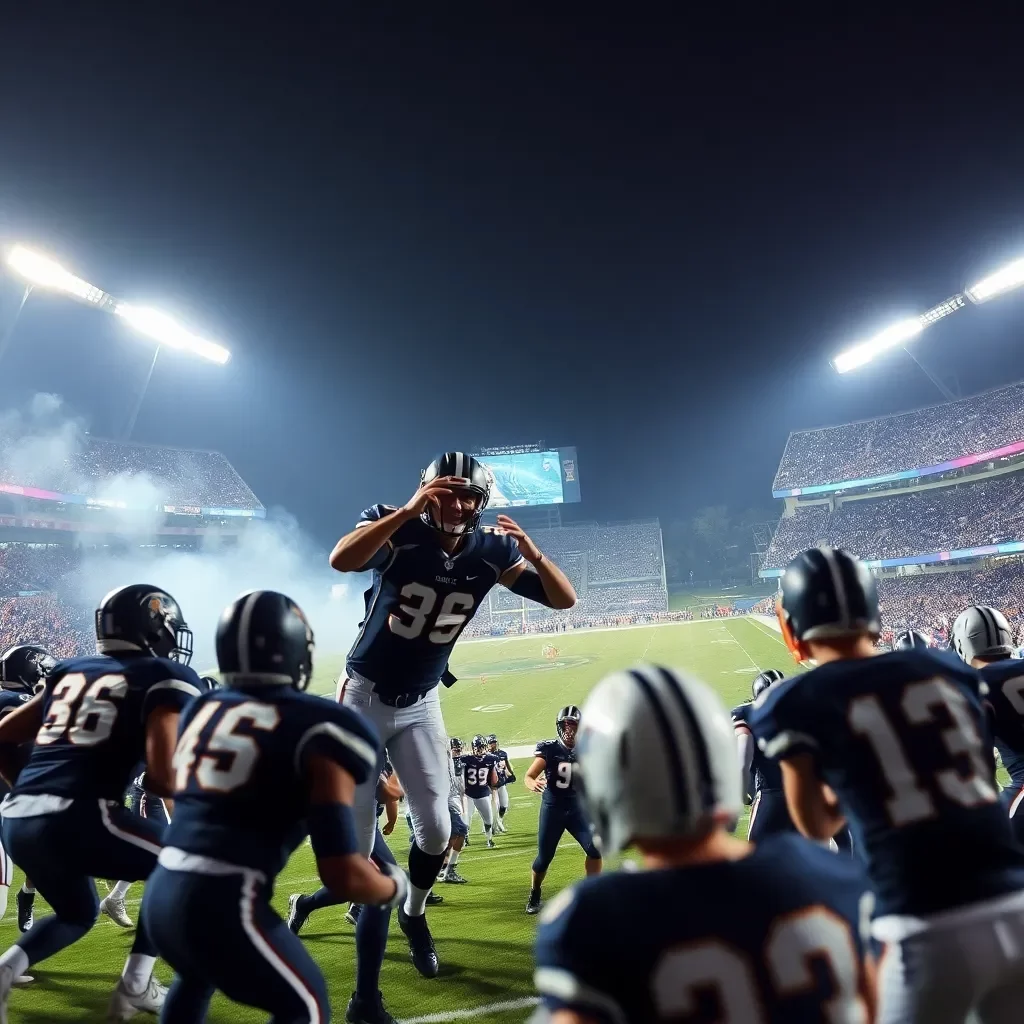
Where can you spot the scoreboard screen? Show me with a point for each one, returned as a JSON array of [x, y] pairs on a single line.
[[548, 477]]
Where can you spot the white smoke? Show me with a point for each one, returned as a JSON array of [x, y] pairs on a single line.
[[45, 446]]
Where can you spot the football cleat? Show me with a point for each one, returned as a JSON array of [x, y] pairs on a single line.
[[452, 877], [124, 1004], [25, 914], [296, 917], [490, 843], [113, 907], [499, 826], [354, 909], [533, 903], [433, 899], [421, 943], [361, 1011]]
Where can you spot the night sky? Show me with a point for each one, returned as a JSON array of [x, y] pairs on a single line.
[[418, 232]]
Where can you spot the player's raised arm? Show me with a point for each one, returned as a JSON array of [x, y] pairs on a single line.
[[543, 581], [342, 866], [535, 780], [366, 546]]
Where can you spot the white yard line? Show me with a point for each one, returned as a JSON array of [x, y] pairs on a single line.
[[505, 1006], [743, 649]]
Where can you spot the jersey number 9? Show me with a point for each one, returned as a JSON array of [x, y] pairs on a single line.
[[455, 610]]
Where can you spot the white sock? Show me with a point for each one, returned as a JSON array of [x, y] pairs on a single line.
[[17, 959], [120, 890], [29, 889], [416, 900], [138, 969], [453, 859]]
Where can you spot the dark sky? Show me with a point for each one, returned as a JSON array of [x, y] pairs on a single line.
[[420, 231]]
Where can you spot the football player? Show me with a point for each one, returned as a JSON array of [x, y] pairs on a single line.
[[460, 830], [552, 774], [505, 775], [658, 764], [65, 823], [983, 638], [259, 764], [460, 775], [909, 639], [481, 778], [433, 565], [898, 744], [23, 670]]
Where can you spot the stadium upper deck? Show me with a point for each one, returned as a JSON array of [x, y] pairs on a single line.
[[904, 446]]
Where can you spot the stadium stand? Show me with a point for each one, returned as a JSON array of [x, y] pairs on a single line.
[[179, 476], [925, 437]]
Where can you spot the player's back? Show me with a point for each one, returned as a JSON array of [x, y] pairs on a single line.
[[725, 941], [903, 740], [241, 795], [93, 732], [1005, 682]]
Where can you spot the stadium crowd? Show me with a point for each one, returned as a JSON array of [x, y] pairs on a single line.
[[937, 519], [925, 437], [95, 467]]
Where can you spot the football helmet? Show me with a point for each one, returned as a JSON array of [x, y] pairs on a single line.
[[657, 758], [765, 679], [479, 744], [910, 639], [264, 637], [24, 667], [982, 632], [456, 744], [569, 716], [826, 593], [141, 617], [469, 475], [492, 742]]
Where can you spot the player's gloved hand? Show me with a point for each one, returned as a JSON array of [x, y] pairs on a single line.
[[428, 495], [401, 886]]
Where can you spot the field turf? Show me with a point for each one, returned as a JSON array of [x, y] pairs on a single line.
[[483, 936]]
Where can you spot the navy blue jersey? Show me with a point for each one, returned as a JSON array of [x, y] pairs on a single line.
[[1005, 682], [500, 764], [478, 773], [559, 769], [795, 903], [902, 739], [421, 599], [767, 773], [11, 699], [240, 783], [94, 722]]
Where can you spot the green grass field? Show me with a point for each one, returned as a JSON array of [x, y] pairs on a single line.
[[483, 936]]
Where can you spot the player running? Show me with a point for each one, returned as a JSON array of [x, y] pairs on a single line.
[[898, 744], [481, 778], [23, 671], [433, 566], [259, 764], [659, 762], [552, 774], [983, 638], [505, 776], [65, 823]]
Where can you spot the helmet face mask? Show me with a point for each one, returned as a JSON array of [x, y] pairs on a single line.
[[24, 668], [470, 484], [567, 725], [479, 746], [492, 743], [456, 746], [143, 618]]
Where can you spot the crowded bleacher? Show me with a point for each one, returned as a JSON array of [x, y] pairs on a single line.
[[89, 465], [911, 440]]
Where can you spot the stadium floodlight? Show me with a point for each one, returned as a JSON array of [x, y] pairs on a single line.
[[167, 331], [42, 272], [1003, 280], [892, 337]]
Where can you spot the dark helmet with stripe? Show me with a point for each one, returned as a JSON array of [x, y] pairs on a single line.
[[479, 744], [567, 725], [982, 632], [492, 739], [468, 475], [826, 594], [910, 639], [456, 744], [264, 638], [24, 667], [765, 679], [141, 617], [657, 758]]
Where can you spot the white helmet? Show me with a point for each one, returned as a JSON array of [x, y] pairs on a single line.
[[657, 757], [982, 632]]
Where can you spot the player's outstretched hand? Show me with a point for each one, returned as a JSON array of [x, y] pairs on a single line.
[[509, 526], [428, 496]]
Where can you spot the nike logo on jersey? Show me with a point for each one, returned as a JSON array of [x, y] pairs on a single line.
[[468, 578]]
